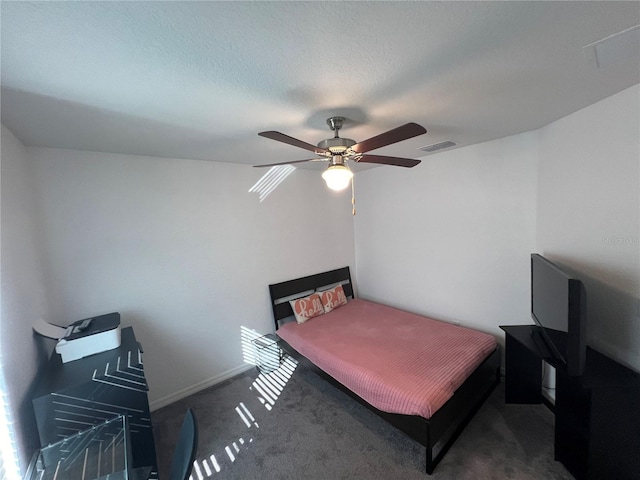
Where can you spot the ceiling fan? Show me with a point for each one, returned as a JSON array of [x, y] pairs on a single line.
[[337, 151]]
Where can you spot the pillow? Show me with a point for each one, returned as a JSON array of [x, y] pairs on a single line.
[[334, 298], [306, 308]]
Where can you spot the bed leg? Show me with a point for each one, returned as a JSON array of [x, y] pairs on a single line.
[[430, 466], [429, 454]]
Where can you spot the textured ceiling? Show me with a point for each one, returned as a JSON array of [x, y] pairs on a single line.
[[199, 80]]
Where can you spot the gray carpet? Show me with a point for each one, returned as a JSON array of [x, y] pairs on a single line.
[[311, 430]]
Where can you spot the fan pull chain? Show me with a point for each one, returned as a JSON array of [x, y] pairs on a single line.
[[353, 198]]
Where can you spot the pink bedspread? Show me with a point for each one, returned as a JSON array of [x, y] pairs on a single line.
[[397, 361]]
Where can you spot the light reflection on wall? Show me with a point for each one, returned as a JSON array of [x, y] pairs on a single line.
[[268, 386], [247, 336], [270, 180]]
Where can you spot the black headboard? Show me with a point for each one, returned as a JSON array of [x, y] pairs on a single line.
[[305, 285]]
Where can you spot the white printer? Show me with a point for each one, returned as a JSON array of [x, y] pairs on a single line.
[[90, 336]]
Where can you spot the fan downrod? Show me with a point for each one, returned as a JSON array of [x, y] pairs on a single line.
[[336, 145], [335, 124]]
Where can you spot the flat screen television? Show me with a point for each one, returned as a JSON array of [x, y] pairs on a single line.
[[558, 307]]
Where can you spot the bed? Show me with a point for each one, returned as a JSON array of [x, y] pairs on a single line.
[[432, 404]]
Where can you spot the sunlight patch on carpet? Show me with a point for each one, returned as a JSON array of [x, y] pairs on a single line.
[[268, 387]]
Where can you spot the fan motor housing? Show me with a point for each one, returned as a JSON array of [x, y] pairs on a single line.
[[336, 144]]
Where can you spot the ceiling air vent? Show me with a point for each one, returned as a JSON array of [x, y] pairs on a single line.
[[616, 48], [438, 146]]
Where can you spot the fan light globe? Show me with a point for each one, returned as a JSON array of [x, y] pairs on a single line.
[[337, 177]]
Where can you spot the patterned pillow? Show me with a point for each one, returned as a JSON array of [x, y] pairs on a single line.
[[306, 308], [332, 299]]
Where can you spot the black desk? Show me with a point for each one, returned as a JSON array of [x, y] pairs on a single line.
[[597, 427], [524, 352], [74, 396], [100, 452]]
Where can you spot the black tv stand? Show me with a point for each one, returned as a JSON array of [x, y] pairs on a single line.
[[541, 344], [597, 427]]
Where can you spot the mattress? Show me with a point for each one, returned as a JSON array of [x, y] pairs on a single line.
[[397, 361]]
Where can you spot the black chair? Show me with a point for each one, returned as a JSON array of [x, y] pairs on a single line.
[[185, 453]]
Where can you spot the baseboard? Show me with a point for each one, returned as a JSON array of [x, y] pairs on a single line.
[[209, 382]]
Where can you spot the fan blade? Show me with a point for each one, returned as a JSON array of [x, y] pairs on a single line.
[[404, 132], [397, 161], [281, 137], [293, 161]]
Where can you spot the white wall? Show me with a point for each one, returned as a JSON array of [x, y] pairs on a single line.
[[589, 214], [23, 293], [182, 251], [451, 237], [185, 254]]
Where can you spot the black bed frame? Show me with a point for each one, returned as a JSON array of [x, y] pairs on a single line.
[[437, 433]]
